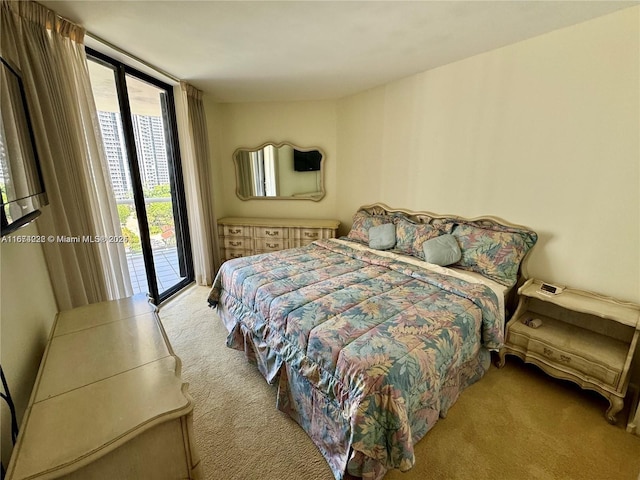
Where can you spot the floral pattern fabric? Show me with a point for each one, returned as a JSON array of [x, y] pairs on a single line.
[[368, 350], [411, 236], [362, 222], [494, 252]]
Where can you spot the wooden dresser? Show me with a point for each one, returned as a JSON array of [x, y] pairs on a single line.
[[240, 237], [580, 336], [108, 402]]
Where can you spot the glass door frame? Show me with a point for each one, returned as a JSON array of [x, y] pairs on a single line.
[[176, 180]]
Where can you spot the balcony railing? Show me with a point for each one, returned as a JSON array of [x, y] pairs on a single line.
[[164, 250]]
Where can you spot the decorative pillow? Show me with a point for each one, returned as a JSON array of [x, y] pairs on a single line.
[[382, 237], [443, 250], [410, 236], [362, 222], [495, 252]]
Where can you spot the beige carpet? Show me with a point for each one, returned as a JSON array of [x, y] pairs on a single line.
[[515, 423]]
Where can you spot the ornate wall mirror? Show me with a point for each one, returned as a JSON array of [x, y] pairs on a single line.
[[279, 171]]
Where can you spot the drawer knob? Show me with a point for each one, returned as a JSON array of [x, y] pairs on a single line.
[[234, 231], [235, 244], [272, 245], [311, 234], [272, 234], [548, 352]]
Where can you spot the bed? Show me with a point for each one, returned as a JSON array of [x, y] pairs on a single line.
[[371, 337]]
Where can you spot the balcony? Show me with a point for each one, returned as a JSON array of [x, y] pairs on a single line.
[[166, 267], [163, 248]]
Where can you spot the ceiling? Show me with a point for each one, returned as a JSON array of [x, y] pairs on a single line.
[[241, 51]]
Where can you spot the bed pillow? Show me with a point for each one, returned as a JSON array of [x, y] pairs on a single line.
[[410, 236], [382, 237], [443, 250], [362, 222], [495, 252]]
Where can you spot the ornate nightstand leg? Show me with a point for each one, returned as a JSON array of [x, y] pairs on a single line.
[[615, 405], [501, 358]]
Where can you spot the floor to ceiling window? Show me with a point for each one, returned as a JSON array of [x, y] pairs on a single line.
[[137, 121]]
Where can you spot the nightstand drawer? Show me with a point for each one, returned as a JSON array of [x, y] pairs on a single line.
[[559, 358], [271, 232]]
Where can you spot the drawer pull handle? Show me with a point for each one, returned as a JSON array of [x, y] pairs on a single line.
[[234, 231], [548, 352], [272, 245], [235, 244], [272, 234], [311, 234], [565, 359]]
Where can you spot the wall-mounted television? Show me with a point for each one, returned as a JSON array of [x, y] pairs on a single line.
[[306, 161], [21, 184]]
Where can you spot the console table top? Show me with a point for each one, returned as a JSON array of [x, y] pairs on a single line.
[[108, 373]]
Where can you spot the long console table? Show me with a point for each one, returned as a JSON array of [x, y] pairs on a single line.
[[108, 401]]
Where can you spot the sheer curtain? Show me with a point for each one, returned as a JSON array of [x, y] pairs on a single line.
[[49, 52], [195, 163]]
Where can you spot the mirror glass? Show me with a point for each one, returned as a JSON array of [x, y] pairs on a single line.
[[22, 191], [279, 171]]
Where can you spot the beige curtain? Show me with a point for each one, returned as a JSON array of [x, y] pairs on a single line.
[[49, 51], [195, 163]]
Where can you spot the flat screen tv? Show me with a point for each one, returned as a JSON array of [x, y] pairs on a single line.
[[306, 161], [21, 184]]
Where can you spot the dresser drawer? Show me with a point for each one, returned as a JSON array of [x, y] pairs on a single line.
[[271, 244], [272, 233], [237, 230], [241, 237], [230, 253], [308, 235], [238, 243], [558, 357]]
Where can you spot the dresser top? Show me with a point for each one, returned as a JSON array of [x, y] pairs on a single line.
[[280, 222]]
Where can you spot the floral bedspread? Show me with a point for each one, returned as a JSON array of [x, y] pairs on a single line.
[[376, 339]]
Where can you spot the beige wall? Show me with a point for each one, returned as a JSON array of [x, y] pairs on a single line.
[[543, 133], [306, 124], [27, 311]]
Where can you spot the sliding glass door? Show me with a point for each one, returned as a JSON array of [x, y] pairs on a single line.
[[137, 121]]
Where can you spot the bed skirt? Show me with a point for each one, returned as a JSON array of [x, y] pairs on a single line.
[[328, 424]]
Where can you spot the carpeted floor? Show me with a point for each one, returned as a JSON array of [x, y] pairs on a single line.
[[516, 423]]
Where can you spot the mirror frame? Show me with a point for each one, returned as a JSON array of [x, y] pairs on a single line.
[[315, 198]]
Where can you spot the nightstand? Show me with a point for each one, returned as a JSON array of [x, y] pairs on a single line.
[[583, 337]]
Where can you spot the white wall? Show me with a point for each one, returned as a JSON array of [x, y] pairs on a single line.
[[543, 133], [27, 311], [306, 124]]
